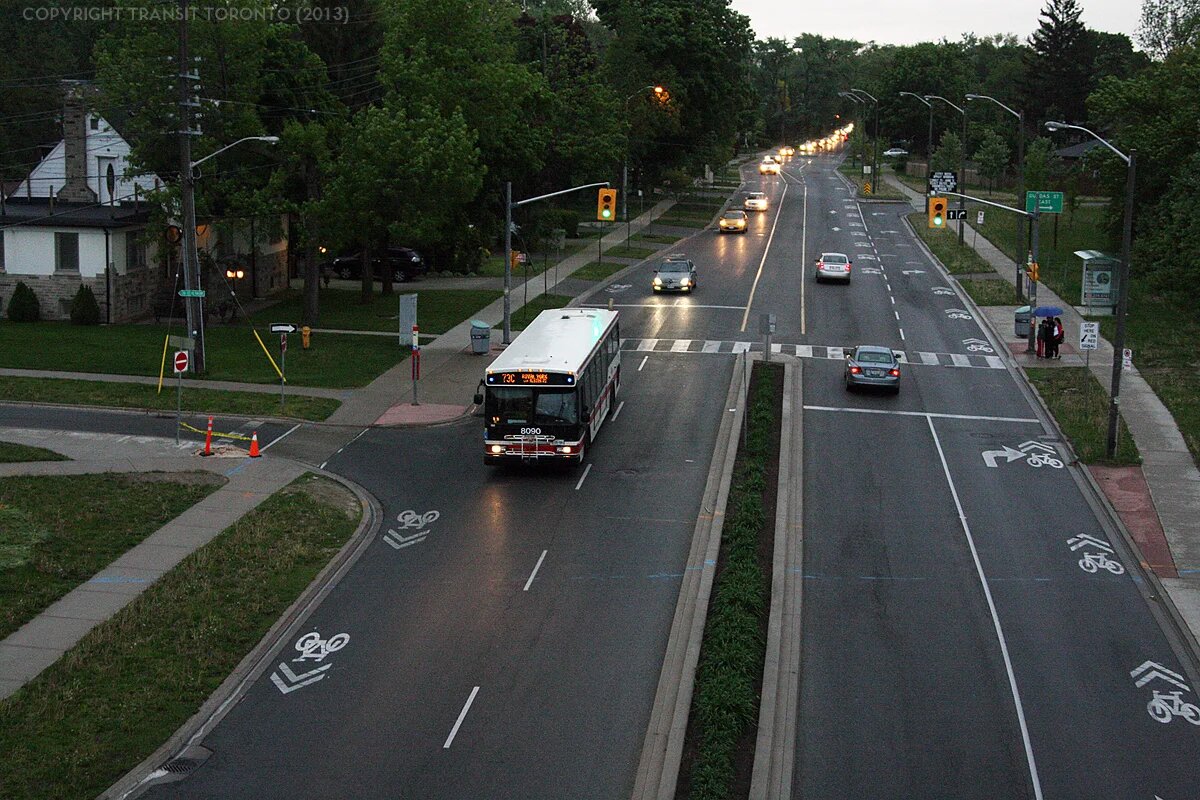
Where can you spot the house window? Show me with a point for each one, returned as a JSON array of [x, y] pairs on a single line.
[[66, 252], [135, 251]]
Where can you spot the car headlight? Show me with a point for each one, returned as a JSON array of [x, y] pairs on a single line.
[[497, 448], [416, 258], [685, 282], [658, 281]]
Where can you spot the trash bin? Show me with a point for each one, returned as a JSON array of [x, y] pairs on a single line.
[[1021, 322], [481, 337]]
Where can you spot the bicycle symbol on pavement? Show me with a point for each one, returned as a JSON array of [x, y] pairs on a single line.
[[942, 290], [1036, 455], [1166, 706], [408, 520], [977, 346], [957, 313], [313, 648], [1094, 562]]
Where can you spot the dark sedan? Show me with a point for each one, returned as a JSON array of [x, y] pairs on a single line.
[[868, 365], [404, 263]]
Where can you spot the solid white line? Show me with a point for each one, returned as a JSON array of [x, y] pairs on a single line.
[[803, 258], [644, 360], [987, 593], [583, 477], [766, 251], [617, 413], [273, 441], [533, 574], [661, 306], [461, 716], [932, 414]]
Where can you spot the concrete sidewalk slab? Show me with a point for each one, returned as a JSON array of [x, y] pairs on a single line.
[[1129, 494]]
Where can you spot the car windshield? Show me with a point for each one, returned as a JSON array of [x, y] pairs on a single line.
[[873, 357], [756, 196], [733, 215], [674, 268], [830, 258], [511, 405]]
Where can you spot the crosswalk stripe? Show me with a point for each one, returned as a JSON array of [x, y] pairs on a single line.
[[714, 346], [804, 350], [929, 359], [994, 362], [711, 347], [681, 345], [960, 360], [647, 344]]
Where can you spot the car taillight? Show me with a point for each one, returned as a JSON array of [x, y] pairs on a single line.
[[848, 266], [820, 265], [895, 373], [855, 370]]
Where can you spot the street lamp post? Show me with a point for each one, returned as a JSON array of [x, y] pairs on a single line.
[[1114, 398], [658, 90], [191, 259], [875, 161], [928, 142], [1020, 115], [862, 122], [962, 170]]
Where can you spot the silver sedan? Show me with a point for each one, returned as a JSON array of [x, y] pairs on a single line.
[[869, 365]]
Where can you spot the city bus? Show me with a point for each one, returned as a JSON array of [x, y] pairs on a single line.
[[548, 393]]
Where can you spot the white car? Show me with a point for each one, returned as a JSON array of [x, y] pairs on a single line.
[[895, 151], [833, 266], [769, 166], [755, 201]]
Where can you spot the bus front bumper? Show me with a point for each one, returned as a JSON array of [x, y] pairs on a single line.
[[511, 450]]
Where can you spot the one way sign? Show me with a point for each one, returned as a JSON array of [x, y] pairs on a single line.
[[956, 213]]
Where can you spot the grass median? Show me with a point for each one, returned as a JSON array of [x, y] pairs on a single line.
[[958, 259], [989, 292], [598, 271], [11, 453], [719, 752], [49, 546], [133, 680], [1080, 405], [145, 396]]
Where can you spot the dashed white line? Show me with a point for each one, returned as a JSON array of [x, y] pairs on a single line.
[[583, 477], [280, 438], [893, 300], [617, 413], [461, 716], [644, 360], [902, 334], [533, 574], [897, 313]]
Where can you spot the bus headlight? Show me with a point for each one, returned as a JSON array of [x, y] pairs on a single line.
[[497, 448]]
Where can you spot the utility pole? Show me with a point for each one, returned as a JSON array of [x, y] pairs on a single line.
[[1034, 218], [1114, 403], [508, 206], [191, 274]]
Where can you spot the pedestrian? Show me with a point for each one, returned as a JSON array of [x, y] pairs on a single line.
[[1043, 331], [1057, 333]]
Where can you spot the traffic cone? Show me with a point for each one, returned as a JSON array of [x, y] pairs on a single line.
[[254, 445], [208, 440]]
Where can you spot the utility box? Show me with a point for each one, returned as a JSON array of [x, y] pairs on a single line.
[[481, 337], [1021, 322]]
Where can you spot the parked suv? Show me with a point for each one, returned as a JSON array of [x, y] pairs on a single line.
[[404, 262]]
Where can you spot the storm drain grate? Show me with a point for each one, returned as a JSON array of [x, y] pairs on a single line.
[[181, 766]]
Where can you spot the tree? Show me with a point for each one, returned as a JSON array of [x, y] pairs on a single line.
[[949, 155], [1058, 65], [1168, 24], [992, 157], [1040, 164], [84, 308]]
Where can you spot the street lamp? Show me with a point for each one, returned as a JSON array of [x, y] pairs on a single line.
[[191, 261], [1020, 115], [660, 93], [1114, 398], [928, 142], [962, 177], [875, 163], [861, 118]]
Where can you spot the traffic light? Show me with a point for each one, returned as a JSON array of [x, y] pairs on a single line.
[[1033, 271], [606, 205], [937, 212]]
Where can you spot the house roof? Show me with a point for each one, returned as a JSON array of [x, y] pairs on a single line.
[[37, 212], [1078, 150]]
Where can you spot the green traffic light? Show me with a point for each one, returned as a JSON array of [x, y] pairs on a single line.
[[606, 213], [937, 221]]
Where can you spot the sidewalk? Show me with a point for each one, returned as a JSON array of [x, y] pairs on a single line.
[[170, 380], [1170, 499], [41, 641], [450, 373]]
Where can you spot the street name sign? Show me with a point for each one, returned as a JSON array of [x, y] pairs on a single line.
[[1044, 202], [182, 342], [191, 293]]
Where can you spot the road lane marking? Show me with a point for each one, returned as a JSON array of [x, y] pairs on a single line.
[[932, 414], [711, 347], [663, 306], [902, 334], [583, 477], [620, 405], [533, 574], [280, 438], [647, 344], [763, 260], [803, 259], [461, 716], [987, 593], [680, 345], [644, 360]]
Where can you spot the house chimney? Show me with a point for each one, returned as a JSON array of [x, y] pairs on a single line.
[[76, 189]]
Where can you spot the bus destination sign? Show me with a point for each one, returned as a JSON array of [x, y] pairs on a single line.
[[530, 378]]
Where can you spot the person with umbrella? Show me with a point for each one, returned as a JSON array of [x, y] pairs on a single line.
[[1046, 330]]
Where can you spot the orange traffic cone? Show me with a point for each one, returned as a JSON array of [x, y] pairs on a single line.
[[254, 445], [208, 439]]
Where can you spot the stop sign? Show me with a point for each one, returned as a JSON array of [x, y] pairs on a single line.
[[181, 361]]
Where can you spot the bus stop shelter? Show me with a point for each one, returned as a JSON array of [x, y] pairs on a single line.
[[1101, 273]]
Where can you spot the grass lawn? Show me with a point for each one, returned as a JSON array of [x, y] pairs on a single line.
[[653, 238], [525, 314], [137, 395], [438, 310], [992, 292], [133, 680], [684, 220], [11, 452], [879, 192], [944, 244], [1080, 404], [49, 546], [598, 271], [631, 251], [233, 352]]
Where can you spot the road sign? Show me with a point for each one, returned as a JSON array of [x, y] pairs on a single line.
[[283, 327], [979, 218], [1044, 202], [1089, 335], [956, 213], [942, 182], [191, 293], [866, 169], [181, 361], [1127, 359], [867, 187], [182, 342]]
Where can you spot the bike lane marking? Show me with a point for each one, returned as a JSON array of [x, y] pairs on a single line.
[[987, 593], [461, 716]]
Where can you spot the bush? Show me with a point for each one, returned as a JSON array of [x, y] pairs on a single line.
[[84, 308], [24, 305]]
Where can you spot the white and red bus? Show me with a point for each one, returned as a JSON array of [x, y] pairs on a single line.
[[549, 392]]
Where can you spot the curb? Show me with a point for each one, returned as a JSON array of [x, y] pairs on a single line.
[[256, 662], [662, 751], [775, 747], [166, 412]]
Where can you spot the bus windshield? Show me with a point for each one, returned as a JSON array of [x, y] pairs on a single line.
[[511, 405]]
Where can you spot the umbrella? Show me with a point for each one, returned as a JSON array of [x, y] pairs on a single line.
[[1047, 311]]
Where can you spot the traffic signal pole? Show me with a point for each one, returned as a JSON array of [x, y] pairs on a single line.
[[509, 205]]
